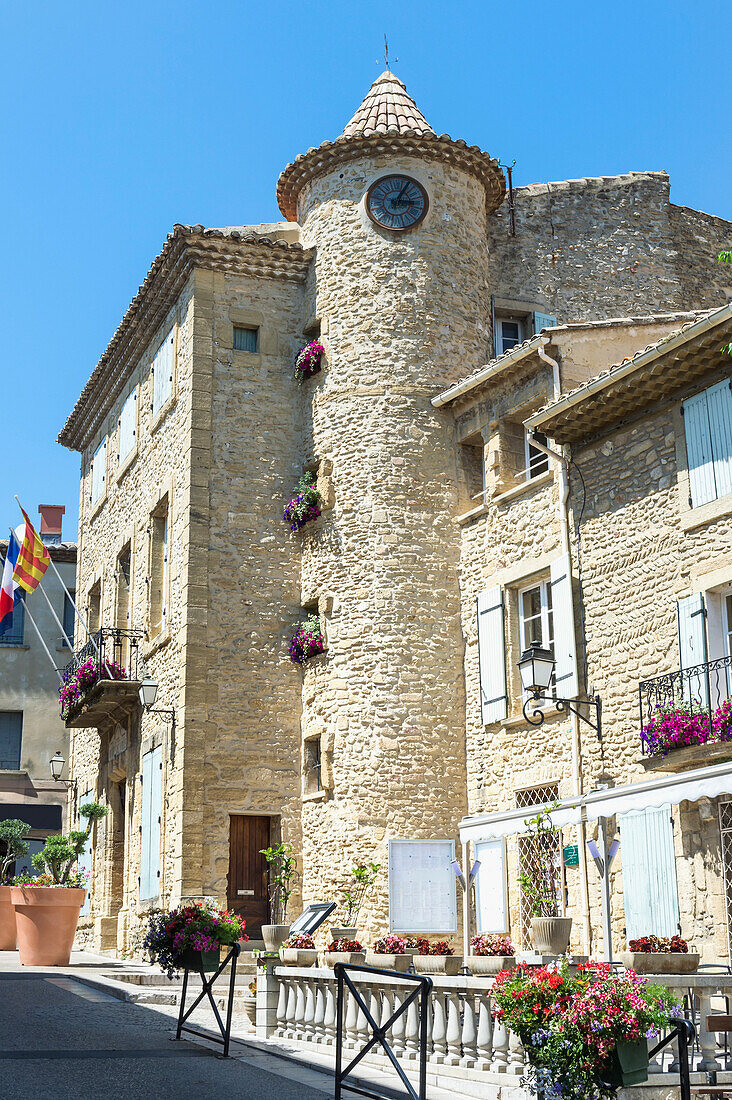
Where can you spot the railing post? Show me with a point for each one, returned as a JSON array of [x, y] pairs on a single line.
[[339, 1032]]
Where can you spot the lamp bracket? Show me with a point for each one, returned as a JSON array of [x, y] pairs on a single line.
[[537, 716]]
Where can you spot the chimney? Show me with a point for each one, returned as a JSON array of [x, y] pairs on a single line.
[[51, 520]]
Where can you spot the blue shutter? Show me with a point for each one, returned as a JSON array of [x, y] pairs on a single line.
[[11, 736], [84, 862], [719, 403], [155, 818], [565, 648], [650, 893], [543, 320], [691, 616], [14, 634], [147, 784], [492, 656], [700, 460]]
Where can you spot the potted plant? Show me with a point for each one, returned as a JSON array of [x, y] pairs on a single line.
[[249, 1003], [309, 360], [306, 505], [81, 679], [12, 846], [344, 951], [414, 945], [299, 950], [437, 958], [491, 954], [47, 907], [583, 1029], [364, 876], [307, 641], [539, 881], [660, 955], [390, 953], [282, 875], [191, 936]]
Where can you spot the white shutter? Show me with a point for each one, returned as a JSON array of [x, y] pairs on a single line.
[[650, 892], [492, 656], [84, 861], [128, 426], [702, 486], [719, 404], [565, 647], [155, 818], [163, 372], [691, 617], [147, 785], [99, 471]]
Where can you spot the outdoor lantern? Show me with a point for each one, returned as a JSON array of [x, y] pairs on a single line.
[[148, 692], [536, 666], [57, 766]]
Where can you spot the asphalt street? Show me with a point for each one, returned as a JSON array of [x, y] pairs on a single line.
[[60, 1039]]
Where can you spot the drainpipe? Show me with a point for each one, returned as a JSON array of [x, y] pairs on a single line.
[[562, 464]]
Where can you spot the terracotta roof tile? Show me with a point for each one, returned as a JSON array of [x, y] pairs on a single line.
[[387, 109]]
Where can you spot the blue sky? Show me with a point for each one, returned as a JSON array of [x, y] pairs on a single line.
[[119, 120]]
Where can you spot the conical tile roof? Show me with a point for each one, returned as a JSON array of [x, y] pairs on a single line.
[[387, 109]]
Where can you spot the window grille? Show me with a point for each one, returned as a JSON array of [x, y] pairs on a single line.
[[313, 766]]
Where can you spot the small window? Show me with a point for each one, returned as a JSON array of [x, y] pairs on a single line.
[[69, 618], [99, 471], [246, 338], [11, 734], [312, 766], [536, 617], [537, 462], [158, 587], [509, 333], [14, 636], [472, 468], [127, 427], [163, 372], [94, 607]]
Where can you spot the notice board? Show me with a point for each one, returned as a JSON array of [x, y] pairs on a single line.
[[422, 890], [491, 914]]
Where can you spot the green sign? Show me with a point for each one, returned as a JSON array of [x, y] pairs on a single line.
[[571, 855]]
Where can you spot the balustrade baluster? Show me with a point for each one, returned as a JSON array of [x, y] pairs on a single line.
[[319, 1013], [289, 1032], [454, 1049], [470, 1032], [499, 1063], [309, 1018], [362, 1025], [329, 1023], [485, 1032], [299, 1032], [516, 1062], [282, 1008], [411, 1032], [351, 1028], [439, 1029], [399, 1025]]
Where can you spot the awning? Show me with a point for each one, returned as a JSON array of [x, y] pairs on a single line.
[[659, 791]]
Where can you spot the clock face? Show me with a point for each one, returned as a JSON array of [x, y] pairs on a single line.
[[396, 202]]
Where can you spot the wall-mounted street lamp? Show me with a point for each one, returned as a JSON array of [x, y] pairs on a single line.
[[148, 694], [536, 666], [56, 764]]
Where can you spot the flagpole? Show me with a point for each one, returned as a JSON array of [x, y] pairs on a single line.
[[39, 588], [40, 639]]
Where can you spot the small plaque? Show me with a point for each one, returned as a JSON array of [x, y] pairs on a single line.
[[571, 855]]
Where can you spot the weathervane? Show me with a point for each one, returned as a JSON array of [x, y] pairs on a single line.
[[386, 54]]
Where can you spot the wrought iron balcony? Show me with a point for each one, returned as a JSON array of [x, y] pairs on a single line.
[[102, 678], [699, 735]]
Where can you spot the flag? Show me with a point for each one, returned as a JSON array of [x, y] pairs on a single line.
[[10, 593], [33, 558]]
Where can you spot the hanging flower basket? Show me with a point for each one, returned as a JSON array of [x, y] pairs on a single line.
[[307, 641], [309, 360], [306, 505], [77, 683]]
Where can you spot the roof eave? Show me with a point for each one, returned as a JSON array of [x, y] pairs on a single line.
[[490, 370]]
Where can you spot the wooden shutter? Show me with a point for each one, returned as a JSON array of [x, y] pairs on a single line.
[[99, 471], [492, 656], [84, 862], [163, 372], [11, 737], [565, 647], [156, 818], [719, 404], [128, 426], [543, 320], [147, 785], [649, 873], [700, 460], [691, 619]]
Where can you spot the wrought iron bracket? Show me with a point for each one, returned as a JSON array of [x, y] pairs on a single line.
[[537, 716]]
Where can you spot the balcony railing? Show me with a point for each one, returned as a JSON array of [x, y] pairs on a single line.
[[109, 646], [701, 688], [103, 678]]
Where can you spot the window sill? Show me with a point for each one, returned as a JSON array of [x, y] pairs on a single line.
[[466, 517], [246, 356], [160, 416], [13, 645], [514, 721], [315, 796], [154, 644], [705, 513], [519, 490], [98, 505], [129, 461]]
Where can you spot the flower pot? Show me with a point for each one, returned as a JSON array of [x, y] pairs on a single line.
[[337, 933], [351, 958], [7, 920], [628, 1064], [249, 1008], [274, 935], [659, 962], [208, 961], [399, 963], [490, 964], [299, 956], [550, 935], [46, 918], [437, 964]]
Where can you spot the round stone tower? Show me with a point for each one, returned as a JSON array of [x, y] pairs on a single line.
[[397, 216]]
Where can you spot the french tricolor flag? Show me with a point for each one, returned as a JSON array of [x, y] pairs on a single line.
[[10, 592]]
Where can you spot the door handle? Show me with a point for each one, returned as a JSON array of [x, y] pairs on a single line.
[[245, 893]]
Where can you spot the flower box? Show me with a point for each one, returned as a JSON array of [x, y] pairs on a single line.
[[438, 964], [628, 1064], [206, 961], [660, 962], [351, 958], [399, 963], [309, 360], [490, 964], [299, 956]]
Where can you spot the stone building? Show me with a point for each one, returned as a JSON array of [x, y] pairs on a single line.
[[30, 731], [401, 255]]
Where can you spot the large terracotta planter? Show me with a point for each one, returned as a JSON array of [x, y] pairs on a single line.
[[550, 935], [7, 920], [399, 963], [438, 964], [46, 918], [490, 964], [274, 935], [660, 962]]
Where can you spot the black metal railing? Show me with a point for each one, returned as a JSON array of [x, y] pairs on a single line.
[[107, 648], [704, 688]]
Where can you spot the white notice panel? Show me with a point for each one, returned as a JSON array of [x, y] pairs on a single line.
[[490, 887], [422, 886]]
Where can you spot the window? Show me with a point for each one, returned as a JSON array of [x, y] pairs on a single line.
[[11, 733], [472, 468], [158, 568], [312, 766], [123, 576], [536, 620], [99, 472], [536, 461], [163, 372], [509, 332], [246, 338], [69, 617], [708, 431], [127, 427], [14, 636], [94, 607]]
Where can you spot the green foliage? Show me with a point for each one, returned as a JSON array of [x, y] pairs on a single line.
[[364, 877], [12, 844], [93, 811], [725, 257], [59, 853], [539, 874], [282, 874]]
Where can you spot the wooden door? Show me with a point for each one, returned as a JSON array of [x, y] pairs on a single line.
[[247, 883]]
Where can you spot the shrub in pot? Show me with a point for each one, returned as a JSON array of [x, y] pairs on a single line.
[[390, 953], [363, 877], [491, 954], [12, 846], [437, 958], [540, 885], [659, 955], [344, 951], [299, 950], [282, 867], [191, 936], [47, 907]]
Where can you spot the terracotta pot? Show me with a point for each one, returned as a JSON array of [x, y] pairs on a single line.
[[274, 935], [659, 962], [299, 956], [46, 918], [351, 958], [437, 964], [337, 933], [490, 964], [7, 920], [550, 935], [399, 963], [208, 961]]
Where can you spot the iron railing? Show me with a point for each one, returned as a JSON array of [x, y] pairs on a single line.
[[704, 687], [109, 645]]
